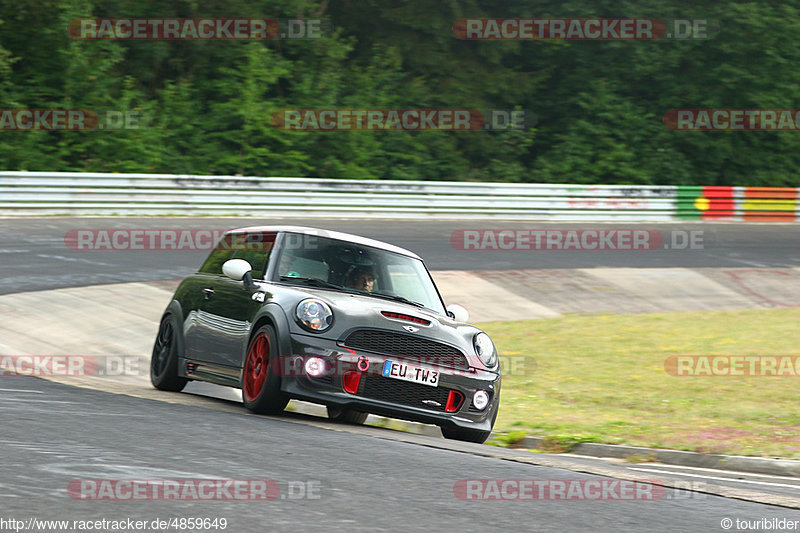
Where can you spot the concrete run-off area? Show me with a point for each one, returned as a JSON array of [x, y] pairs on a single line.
[[492, 295], [92, 318]]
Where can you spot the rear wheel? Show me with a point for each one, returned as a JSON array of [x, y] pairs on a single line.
[[341, 414], [261, 387], [164, 361]]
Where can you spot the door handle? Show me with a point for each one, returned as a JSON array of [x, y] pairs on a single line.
[[208, 293]]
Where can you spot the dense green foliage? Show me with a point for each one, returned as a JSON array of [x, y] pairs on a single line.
[[206, 105]]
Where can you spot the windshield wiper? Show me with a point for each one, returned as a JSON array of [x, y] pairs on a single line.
[[314, 282], [396, 298]]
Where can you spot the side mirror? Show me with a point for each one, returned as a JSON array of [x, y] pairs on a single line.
[[458, 313], [238, 270]]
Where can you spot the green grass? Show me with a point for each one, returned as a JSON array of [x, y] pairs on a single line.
[[601, 378]]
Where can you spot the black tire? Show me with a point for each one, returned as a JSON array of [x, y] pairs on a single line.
[[261, 387], [467, 435], [164, 361], [348, 416]]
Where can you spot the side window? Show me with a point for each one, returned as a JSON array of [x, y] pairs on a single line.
[[213, 264], [255, 248], [256, 258]]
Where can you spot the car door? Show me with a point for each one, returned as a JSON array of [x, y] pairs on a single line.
[[223, 320], [197, 333]]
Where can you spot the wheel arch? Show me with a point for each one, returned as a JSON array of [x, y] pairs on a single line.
[[272, 315], [174, 308]]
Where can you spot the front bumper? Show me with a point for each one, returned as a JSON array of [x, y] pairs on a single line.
[[387, 396]]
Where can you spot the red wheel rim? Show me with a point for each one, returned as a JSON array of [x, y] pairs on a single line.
[[256, 367]]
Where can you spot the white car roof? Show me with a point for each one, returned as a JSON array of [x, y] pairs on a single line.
[[329, 234]]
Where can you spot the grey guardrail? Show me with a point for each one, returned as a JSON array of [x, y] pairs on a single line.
[[37, 193]]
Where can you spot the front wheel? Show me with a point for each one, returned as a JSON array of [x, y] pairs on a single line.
[[261, 387], [348, 416], [164, 361]]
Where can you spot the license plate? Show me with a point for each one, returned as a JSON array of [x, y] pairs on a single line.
[[414, 373]]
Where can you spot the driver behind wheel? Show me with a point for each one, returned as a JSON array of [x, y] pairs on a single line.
[[361, 278]]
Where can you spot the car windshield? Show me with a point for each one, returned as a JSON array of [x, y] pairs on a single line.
[[331, 263]]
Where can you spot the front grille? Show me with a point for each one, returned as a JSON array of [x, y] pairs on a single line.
[[403, 392], [406, 346]]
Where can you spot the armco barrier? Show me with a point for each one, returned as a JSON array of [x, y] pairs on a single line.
[[75, 193], [759, 204]]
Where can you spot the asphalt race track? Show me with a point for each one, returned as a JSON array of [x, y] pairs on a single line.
[[34, 256], [54, 434], [363, 478]]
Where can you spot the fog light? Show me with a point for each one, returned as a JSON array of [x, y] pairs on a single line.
[[480, 400], [315, 367]]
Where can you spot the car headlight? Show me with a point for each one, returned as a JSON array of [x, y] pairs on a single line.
[[484, 347], [314, 315]]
